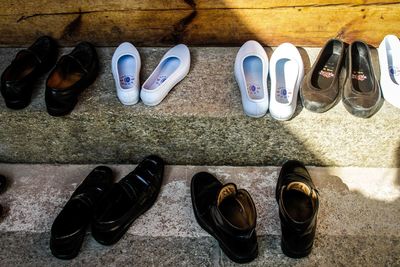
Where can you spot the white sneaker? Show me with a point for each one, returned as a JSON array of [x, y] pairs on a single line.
[[173, 67], [251, 72], [286, 73], [125, 68], [389, 61]]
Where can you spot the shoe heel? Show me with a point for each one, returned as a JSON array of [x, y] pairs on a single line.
[[92, 77], [18, 104], [294, 254]]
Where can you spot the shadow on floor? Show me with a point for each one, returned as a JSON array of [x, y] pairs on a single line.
[[397, 153], [353, 229]]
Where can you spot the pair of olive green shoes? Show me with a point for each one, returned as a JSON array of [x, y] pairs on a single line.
[[360, 91]]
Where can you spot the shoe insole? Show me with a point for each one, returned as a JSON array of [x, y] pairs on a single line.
[[252, 68], [298, 205], [286, 76], [61, 81], [126, 71], [72, 218], [23, 66], [324, 74], [393, 59], [234, 212], [361, 75], [163, 72], [65, 75]]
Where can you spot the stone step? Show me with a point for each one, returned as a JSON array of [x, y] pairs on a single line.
[[200, 122], [358, 218]]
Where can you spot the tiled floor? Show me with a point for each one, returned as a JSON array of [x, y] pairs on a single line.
[[358, 219]]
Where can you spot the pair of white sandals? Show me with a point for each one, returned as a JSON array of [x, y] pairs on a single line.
[[286, 71], [173, 67]]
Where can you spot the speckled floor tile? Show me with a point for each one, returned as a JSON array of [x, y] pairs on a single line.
[[200, 122], [358, 218]]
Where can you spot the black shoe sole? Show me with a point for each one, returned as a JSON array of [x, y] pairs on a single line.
[[18, 104], [73, 253], [55, 112], [230, 255], [294, 254]]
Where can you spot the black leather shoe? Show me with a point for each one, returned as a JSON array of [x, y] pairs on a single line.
[[226, 213], [298, 208], [73, 73], [18, 78], [69, 228], [362, 95], [320, 87], [127, 200]]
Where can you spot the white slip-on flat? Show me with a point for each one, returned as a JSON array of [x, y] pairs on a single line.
[[286, 73], [173, 67], [389, 61], [125, 68], [251, 72]]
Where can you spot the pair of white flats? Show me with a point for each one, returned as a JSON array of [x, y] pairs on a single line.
[[286, 72], [389, 61], [173, 67]]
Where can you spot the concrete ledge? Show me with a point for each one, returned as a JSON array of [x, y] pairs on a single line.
[[31, 249], [200, 122], [358, 218]]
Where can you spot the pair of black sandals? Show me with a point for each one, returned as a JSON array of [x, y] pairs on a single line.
[[109, 208]]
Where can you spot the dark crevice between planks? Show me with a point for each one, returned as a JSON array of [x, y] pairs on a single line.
[[179, 28], [22, 18], [72, 28], [191, 3], [27, 17]]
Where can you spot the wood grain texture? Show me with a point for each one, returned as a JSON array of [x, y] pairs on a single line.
[[202, 22], [274, 4]]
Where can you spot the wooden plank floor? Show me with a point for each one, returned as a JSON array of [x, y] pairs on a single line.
[[202, 22]]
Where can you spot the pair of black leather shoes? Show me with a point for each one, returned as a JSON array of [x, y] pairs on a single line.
[[229, 214], [18, 78], [72, 74], [321, 88], [109, 208]]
